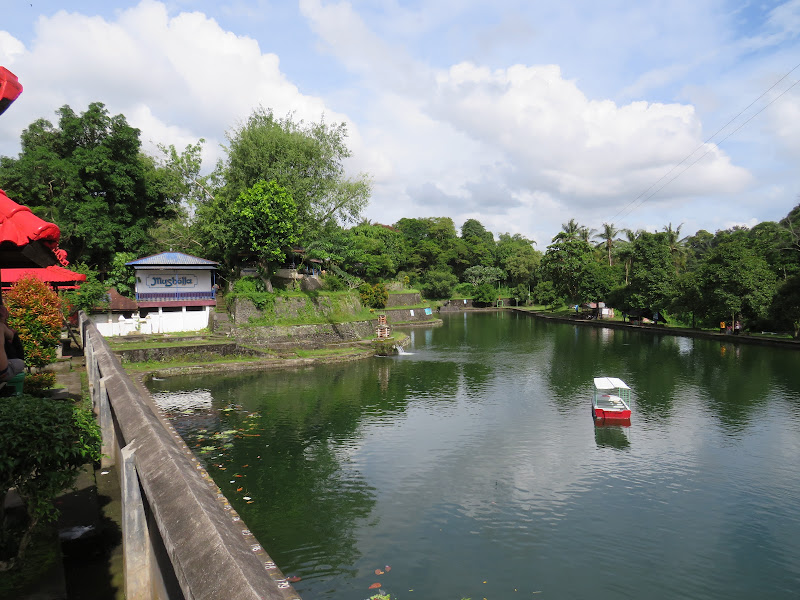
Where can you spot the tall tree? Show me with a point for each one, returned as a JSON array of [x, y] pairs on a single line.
[[607, 239], [89, 177], [735, 280], [566, 263], [677, 246], [652, 278], [305, 159]]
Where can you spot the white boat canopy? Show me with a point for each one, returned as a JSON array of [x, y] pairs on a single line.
[[610, 383]]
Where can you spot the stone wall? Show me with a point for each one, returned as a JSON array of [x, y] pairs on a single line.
[[297, 306], [195, 351], [307, 336], [407, 315], [408, 299]]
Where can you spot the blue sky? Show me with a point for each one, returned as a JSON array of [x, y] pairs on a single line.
[[520, 114]]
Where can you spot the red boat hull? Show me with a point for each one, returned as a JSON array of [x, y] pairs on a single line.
[[612, 416]]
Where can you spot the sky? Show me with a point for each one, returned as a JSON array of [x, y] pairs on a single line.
[[520, 114]]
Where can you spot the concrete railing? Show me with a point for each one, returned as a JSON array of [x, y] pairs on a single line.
[[181, 537]]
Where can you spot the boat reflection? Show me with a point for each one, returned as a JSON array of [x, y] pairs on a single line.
[[612, 436]]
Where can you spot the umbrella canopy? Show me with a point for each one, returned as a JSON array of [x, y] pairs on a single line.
[[58, 277], [25, 239]]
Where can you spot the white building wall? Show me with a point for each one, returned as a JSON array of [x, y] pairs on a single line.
[[156, 322]]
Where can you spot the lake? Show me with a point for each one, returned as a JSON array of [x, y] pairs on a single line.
[[472, 468]]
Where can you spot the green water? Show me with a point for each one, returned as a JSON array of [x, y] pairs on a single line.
[[472, 466]]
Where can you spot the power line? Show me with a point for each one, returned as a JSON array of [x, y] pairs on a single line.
[[639, 200]]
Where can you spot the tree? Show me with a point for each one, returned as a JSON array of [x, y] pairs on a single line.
[[35, 314], [785, 309], [121, 276], [652, 278], [478, 275], [307, 160], [480, 244], [263, 220], [381, 249], [608, 236], [735, 280], [438, 283], [518, 258], [677, 246], [89, 177], [565, 263]]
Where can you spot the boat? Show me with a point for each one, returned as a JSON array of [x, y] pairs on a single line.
[[612, 401]]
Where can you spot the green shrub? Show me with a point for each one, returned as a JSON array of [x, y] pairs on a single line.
[[40, 384], [43, 445], [438, 284], [333, 282], [485, 293], [464, 289], [35, 314], [373, 296]]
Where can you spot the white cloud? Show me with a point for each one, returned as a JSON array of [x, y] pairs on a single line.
[[177, 78]]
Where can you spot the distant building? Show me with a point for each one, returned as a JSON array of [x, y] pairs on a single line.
[[174, 291]]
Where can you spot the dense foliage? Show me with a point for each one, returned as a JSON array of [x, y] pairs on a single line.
[[88, 175]]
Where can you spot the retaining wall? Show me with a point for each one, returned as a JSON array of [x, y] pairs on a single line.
[[307, 336], [405, 299], [296, 306], [198, 351], [181, 538]]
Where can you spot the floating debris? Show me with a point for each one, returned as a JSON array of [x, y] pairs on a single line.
[[293, 579]]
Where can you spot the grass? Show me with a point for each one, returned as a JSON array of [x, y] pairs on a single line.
[[187, 361], [162, 343], [324, 352]]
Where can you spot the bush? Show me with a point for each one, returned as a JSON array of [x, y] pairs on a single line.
[[464, 289], [35, 313], [40, 384], [545, 293], [438, 284], [43, 445], [486, 293], [334, 283], [373, 296]]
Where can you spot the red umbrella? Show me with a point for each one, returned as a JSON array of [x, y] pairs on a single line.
[[25, 239]]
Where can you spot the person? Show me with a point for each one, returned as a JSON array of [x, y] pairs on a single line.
[[12, 356], [722, 326], [737, 327], [14, 348]]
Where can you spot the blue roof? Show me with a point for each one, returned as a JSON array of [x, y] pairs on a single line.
[[174, 259]]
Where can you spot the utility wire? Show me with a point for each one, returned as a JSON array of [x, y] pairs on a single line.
[[636, 203]]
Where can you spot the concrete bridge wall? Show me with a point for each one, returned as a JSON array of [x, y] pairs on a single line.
[[181, 537]]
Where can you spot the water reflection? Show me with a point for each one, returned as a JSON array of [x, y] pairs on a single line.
[[611, 436]]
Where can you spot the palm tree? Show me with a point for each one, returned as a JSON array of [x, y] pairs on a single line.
[[677, 246], [572, 229], [608, 237], [626, 251], [585, 233]]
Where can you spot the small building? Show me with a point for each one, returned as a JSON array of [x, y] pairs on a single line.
[[174, 292], [117, 316]]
